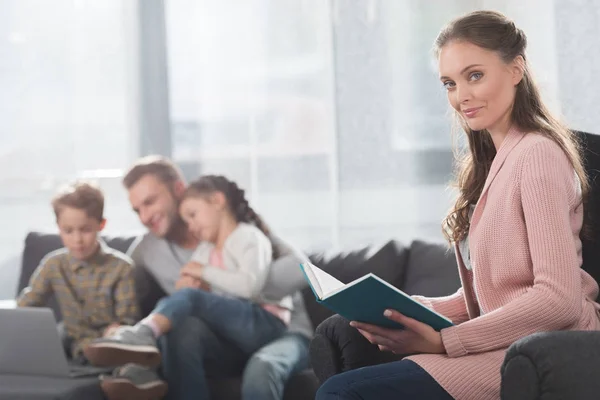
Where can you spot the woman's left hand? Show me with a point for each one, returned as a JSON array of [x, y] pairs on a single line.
[[416, 337]]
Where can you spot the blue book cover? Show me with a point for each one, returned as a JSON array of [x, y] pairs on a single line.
[[366, 298]]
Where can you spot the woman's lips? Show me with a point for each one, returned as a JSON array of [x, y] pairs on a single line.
[[471, 112]]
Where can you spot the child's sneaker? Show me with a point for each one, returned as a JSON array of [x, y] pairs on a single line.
[[128, 344], [133, 381]]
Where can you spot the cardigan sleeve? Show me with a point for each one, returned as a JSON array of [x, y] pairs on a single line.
[[251, 255], [453, 307], [551, 209]]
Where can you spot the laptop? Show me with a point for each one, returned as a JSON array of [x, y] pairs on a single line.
[[30, 345]]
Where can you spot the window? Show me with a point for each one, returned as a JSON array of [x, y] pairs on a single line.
[[67, 111], [252, 97], [328, 112]]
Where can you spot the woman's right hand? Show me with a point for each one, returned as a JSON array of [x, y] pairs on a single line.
[[415, 338]]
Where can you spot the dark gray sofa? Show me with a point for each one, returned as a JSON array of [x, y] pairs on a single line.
[[421, 267]]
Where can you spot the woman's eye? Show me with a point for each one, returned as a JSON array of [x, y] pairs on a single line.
[[475, 76], [448, 85]]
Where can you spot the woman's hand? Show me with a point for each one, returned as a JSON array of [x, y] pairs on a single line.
[[192, 269], [416, 337]]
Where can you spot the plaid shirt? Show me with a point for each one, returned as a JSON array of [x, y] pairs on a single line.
[[91, 294]]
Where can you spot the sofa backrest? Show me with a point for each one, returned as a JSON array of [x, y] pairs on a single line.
[[431, 270], [591, 239]]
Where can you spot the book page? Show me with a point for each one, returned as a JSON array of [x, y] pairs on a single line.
[[322, 283], [312, 279], [327, 283]]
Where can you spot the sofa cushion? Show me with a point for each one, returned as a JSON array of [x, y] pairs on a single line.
[[38, 244], [25, 387], [387, 262], [431, 270]]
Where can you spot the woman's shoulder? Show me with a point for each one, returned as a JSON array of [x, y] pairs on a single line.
[[539, 149], [539, 142]]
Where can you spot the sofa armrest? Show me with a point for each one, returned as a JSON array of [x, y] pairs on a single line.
[[552, 366]]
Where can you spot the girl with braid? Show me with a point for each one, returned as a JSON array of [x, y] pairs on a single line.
[[231, 262]]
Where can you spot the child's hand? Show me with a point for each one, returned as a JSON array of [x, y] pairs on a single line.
[[192, 269], [110, 329], [187, 281]]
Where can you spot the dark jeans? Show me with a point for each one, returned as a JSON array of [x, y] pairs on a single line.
[[270, 368], [398, 380], [353, 368], [211, 336]]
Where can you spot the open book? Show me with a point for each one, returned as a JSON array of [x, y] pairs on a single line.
[[365, 299]]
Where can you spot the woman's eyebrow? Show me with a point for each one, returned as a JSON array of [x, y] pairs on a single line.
[[463, 70]]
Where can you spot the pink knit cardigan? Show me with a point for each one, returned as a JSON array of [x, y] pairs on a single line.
[[526, 271]]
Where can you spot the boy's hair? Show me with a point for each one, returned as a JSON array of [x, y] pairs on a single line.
[[80, 195], [161, 167]]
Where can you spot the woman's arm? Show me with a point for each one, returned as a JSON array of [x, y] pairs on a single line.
[[548, 196], [453, 307]]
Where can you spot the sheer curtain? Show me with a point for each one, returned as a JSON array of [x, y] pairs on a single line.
[[67, 110], [330, 113], [252, 97]]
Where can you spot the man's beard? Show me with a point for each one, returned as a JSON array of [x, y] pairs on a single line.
[[177, 231]]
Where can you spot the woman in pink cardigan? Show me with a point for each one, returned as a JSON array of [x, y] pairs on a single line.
[[515, 228]]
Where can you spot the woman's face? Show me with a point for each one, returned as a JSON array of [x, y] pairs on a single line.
[[481, 87]]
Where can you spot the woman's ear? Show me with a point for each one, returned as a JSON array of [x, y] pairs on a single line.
[[518, 69]]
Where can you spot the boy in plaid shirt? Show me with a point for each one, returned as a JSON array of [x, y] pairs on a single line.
[[92, 283]]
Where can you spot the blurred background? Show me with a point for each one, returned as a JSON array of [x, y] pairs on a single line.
[[328, 112]]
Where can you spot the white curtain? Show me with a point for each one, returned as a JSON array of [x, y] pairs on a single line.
[[328, 112]]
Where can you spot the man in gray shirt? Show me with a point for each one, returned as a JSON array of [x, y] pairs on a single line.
[[192, 351]]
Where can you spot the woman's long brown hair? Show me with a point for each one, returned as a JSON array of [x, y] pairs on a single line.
[[493, 31]]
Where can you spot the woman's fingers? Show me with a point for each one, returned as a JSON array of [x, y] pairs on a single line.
[[375, 330], [409, 323]]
